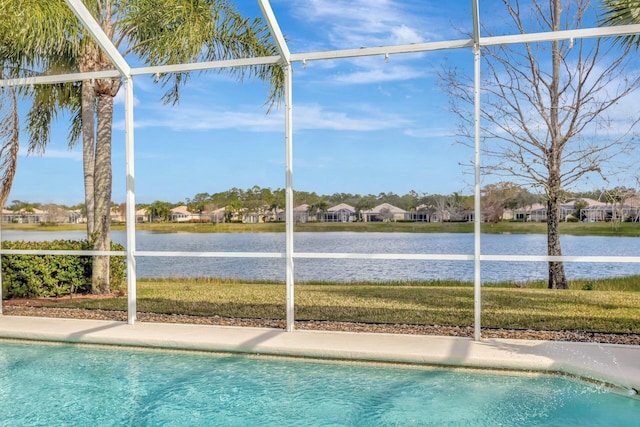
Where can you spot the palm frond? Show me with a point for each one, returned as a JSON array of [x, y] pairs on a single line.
[[48, 102], [9, 141], [622, 12], [176, 31]]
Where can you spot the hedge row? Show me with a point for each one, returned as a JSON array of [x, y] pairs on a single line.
[[31, 276]]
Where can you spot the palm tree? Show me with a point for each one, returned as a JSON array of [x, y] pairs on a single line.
[[20, 49], [159, 211], [276, 201], [318, 209], [157, 32]]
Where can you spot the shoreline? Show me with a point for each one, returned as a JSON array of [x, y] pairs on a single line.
[[623, 229]]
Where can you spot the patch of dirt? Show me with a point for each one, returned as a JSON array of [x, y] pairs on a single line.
[[46, 307]]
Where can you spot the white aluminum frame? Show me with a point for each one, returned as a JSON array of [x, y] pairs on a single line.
[[286, 59]]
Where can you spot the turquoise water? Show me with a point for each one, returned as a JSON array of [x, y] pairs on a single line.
[[47, 385]]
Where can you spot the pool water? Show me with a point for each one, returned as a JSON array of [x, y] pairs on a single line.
[[45, 385]]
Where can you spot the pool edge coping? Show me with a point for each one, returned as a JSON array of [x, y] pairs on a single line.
[[613, 364]]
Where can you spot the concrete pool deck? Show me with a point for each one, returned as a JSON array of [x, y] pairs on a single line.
[[614, 364]]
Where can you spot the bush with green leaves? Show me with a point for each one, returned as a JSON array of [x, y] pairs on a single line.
[[32, 276]]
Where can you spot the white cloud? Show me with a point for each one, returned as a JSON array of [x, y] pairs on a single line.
[[361, 118], [435, 132], [119, 98], [359, 23], [203, 119], [53, 154], [306, 117], [352, 24], [379, 74]]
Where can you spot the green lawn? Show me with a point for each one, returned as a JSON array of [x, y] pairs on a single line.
[[611, 306]]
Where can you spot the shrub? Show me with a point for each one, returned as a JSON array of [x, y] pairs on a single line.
[[30, 276]]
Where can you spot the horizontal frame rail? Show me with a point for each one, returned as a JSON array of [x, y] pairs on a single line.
[[337, 54]]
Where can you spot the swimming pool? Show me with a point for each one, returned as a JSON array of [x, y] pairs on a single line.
[[52, 384]]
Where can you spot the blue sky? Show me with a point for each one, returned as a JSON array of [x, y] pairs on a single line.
[[361, 126]]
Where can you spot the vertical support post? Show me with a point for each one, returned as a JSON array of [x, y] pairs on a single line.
[[288, 70], [281, 43], [477, 283], [131, 203]]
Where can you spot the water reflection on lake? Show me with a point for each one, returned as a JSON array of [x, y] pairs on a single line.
[[356, 270]]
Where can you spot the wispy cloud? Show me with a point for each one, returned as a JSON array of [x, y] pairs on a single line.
[[119, 98], [349, 24], [358, 23], [379, 74], [434, 132], [75, 155], [204, 119], [306, 117], [358, 118]]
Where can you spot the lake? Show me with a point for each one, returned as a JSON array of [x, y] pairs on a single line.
[[346, 270]]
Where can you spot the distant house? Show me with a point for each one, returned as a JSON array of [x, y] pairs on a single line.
[[275, 215], [423, 213], [594, 212], [7, 215], [252, 217], [53, 213], [340, 213], [536, 212], [279, 215], [301, 213], [76, 217], [215, 215], [385, 212], [22, 216], [142, 215], [628, 210], [632, 209], [182, 214], [117, 214]]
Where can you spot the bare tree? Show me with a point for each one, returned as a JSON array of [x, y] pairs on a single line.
[[442, 208], [498, 197], [617, 197], [386, 215], [56, 214], [546, 107]]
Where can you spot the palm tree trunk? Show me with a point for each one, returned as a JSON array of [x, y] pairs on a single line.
[[88, 153], [102, 183]]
